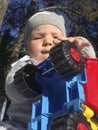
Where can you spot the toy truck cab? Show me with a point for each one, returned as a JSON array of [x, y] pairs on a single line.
[[72, 90]]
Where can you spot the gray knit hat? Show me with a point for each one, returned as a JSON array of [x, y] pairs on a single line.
[[41, 18]]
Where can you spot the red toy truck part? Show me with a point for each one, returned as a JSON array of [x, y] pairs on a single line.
[[91, 86]]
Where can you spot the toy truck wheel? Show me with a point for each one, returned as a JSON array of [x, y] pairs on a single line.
[[70, 121], [77, 121], [67, 59]]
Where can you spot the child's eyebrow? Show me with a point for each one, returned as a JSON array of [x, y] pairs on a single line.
[[58, 33], [38, 33]]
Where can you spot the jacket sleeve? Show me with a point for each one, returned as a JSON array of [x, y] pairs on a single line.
[[89, 50], [17, 88]]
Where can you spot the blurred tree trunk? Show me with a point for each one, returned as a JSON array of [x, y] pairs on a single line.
[[3, 8]]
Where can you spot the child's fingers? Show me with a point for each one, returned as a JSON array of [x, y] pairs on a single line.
[[81, 44]]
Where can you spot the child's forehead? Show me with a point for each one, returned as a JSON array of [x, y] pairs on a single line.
[[46, 28]]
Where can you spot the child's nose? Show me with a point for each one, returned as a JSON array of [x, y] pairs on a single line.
[[48, 41]]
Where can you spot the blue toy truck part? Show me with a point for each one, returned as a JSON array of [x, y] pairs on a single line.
[[58, 96]]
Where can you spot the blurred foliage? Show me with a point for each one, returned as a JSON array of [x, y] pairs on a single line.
[[85, 8]]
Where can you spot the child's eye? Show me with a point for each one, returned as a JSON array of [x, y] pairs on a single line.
[[39, 37], [56, 37]]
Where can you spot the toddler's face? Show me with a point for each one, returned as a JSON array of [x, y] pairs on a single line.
[[41, 40]]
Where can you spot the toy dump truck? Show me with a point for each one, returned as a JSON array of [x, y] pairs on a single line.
[[69, 99]]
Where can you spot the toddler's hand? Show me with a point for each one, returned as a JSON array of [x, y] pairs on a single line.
[[79, 42]]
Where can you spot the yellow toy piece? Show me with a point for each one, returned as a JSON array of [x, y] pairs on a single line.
[[89, 113]]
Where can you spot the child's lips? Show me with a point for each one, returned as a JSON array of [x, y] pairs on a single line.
[[46, 52]]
